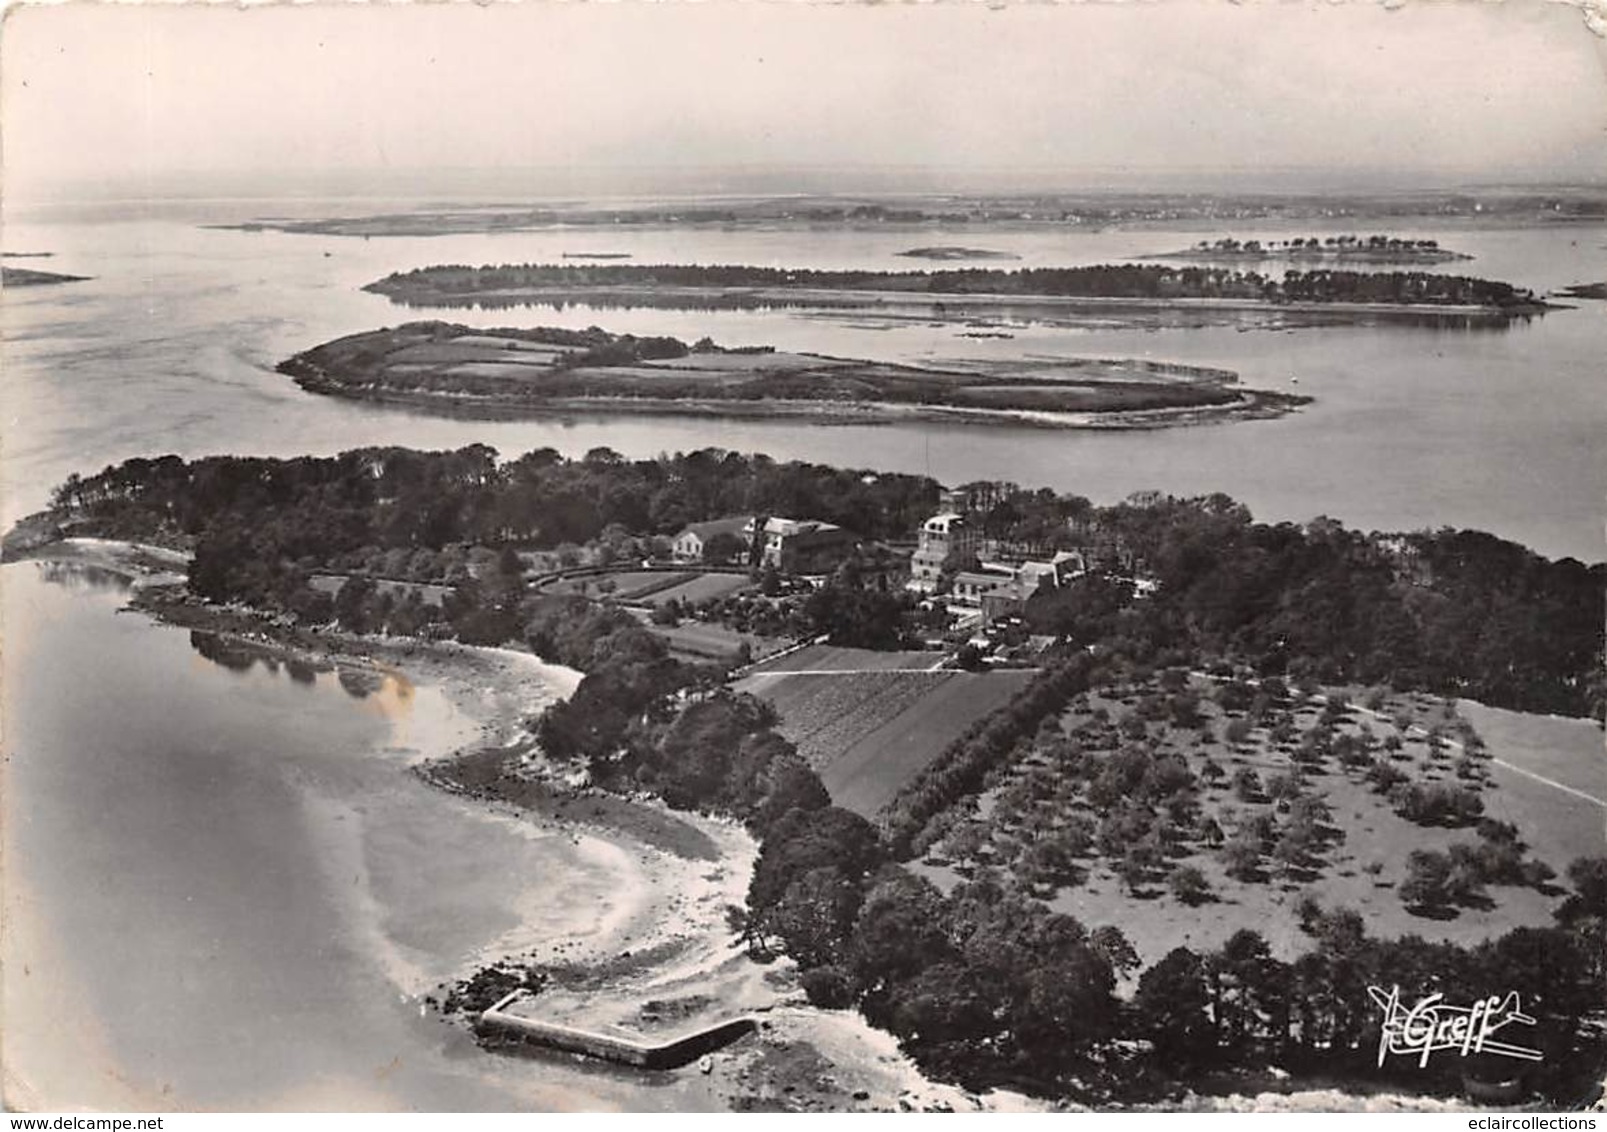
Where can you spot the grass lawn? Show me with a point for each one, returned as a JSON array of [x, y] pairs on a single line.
[[704, 587], [626, 585]]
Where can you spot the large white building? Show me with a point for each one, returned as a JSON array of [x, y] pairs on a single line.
[[940, 536]]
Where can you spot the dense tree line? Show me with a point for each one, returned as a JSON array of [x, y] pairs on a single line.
[[1454, 612], [1375, 243], [986, 986], [640, 719], [1129, 280], [960, 769], [261, 527]]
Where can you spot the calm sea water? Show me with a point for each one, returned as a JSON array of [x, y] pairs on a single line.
[[223, 889], [171, 349]]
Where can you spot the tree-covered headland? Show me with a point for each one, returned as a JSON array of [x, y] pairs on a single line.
[[982, 984]]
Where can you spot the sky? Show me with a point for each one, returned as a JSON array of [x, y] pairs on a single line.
[[1421, 91]]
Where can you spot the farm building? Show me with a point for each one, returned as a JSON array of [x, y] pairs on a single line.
[[692, 544]]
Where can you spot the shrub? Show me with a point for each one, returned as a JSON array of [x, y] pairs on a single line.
[[1189, 885], [829, 987]]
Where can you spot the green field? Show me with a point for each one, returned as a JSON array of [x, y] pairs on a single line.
[[697, 640], [829, 658], [703, 587], [868, 722]]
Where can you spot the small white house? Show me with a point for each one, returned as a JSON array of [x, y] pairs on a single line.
[[691, 545]]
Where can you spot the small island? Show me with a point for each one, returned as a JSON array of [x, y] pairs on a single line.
[[956, 252], [27, 277], [1585, 291], [597, 255], [1321, 249], [449, 368]]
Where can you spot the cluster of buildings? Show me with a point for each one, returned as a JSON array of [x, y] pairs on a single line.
[[991, 581], [952, 561]]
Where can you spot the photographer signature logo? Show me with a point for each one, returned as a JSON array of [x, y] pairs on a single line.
[[1434, 1024]]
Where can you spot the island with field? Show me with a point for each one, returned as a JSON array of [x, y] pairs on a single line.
[[1131, 286], [1319, 249], [449, 368]]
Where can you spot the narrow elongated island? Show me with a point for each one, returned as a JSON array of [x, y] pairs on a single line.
[[450, 368], [1139, 286]]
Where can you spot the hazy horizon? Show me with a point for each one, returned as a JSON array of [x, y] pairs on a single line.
[[542, 99]]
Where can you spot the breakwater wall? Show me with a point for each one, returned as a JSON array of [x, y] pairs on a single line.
[[495, 1021]]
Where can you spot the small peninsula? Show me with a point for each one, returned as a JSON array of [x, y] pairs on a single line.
[[449, 368], [27, 277], [1319, 249]]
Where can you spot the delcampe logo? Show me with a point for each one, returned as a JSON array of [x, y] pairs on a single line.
[[1434, 1024]]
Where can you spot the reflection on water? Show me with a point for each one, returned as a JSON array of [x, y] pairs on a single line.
[[359, 682], [384, 692], [1104, 315], [235, 655], [84, 577]]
